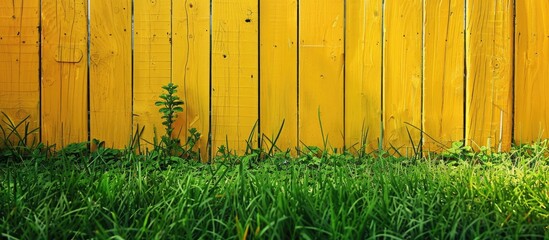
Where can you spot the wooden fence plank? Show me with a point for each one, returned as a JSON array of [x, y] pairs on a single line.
[[489, 73], [532, 69], [402, 81], [444, 82], [191, 66], [234, 72], [19, 61], [110, 72], [321, 60], [152, 64], [278, 67], [363, 66], [64, 71]]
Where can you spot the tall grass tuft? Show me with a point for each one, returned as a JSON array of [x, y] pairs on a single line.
[[18, 140]]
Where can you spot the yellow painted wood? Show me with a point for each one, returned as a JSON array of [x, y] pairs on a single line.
[[151, 64], [363, 74], [444, 82], [110, 72], [321, 71], [19, 61], [489, 41], [191, 67], [402, 80], [64, 72], [234, 72], [532, 70], [279, 72]]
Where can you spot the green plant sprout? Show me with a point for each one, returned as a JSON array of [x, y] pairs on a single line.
[[170, 105], [171, 145]]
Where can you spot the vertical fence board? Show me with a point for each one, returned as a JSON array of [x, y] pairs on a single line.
[[363, 60], [278, 66], [234, 72], [152, 64], [321, 60], [19, 61], [64, 71], [489, 73], [444, 83], [402, 81], [110, 72], [191, 66], [532, 69]]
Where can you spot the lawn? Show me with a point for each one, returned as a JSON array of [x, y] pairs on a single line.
[[116, 194]]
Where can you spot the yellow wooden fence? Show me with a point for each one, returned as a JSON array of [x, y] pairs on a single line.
[[455, 69]]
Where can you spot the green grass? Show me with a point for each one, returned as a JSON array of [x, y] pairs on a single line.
[[118, 194]]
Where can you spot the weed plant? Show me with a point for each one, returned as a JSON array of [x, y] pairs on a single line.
[[169, 148], [170, 104]]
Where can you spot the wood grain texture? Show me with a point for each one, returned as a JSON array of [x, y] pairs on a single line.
[[64, 72], [278, 94], [19, 61], [234, 73], [110, 72], [321, 61], [531, 72], [151, 64], [402, 80], [191, 67], [489, 41], [444, 81], [363, 68], [365, 64]]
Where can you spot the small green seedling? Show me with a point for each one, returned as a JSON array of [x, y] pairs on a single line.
[[458, 151], [170, 105]]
